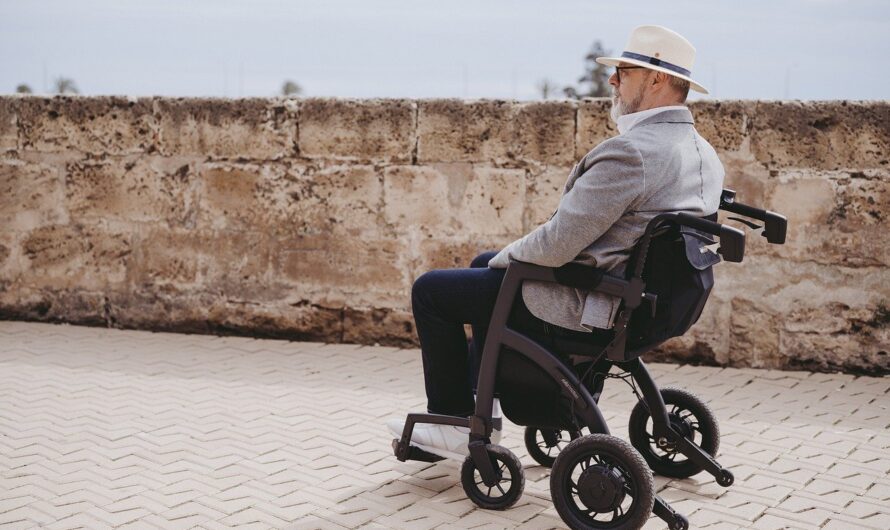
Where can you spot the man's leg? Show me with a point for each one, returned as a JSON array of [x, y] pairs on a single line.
[[442, 302]]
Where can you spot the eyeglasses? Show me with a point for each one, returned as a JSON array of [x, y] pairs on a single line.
[[618, 70]]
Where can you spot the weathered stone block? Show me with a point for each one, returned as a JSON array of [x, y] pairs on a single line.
[[543, 192], [250, 128], [289, 201], [71, 306], [594, 125], [247, 197], [754, 331], [369, 130], [75, 257], [160, 310], [167, 258], [305, 322], [341, 199], [234, 265], [724, 124], [239, 266], [140, 189], [451, 130], [837, 337], [95, 125], [445, 199], [545, 132], [387, 327], [9, 124], [352, 272], [452, 252], [821, 135], [833, 218], [31, 195]]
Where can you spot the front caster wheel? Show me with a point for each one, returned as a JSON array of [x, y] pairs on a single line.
[[689, 416], [508, 489], [545, 444], [725, 478], [599, 481]]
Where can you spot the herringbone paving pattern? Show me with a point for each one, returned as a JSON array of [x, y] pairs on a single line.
[[107, 428]]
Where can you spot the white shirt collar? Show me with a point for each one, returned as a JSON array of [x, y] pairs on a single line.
[[629, 121]]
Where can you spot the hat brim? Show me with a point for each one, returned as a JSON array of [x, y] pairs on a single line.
[[615, 61]]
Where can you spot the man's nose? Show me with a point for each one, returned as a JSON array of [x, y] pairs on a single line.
[[613, 80]]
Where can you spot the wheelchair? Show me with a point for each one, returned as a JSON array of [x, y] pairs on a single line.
[[599, 480]]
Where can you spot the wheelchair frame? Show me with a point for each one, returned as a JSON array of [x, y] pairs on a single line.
[[632, 292]]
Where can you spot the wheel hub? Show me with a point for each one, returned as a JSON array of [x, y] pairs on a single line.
[[601, 488], [680, 426]]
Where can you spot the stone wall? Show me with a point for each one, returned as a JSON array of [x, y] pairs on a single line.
[[310, 219]]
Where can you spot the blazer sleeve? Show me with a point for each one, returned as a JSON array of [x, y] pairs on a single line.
[[610, 187]]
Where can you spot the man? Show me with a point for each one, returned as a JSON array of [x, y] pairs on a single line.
[[658, 163]]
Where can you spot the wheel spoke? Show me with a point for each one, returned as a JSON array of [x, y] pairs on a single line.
[[489, 492], [501, 489]]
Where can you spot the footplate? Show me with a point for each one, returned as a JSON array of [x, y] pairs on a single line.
[[412, 452]]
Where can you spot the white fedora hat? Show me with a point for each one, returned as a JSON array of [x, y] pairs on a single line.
[[659, 49]]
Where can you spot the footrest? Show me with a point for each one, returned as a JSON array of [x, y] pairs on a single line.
[[414, 453]]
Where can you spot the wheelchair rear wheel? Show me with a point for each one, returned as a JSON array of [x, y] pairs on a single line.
[[544, 445], [508, 489], [599, 481], [688, 415]]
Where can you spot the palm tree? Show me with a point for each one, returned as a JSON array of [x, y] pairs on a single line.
[[64, 85], [23, 89], [290, 88], [546, 88]]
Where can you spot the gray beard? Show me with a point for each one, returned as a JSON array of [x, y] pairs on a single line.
[[620, 107]]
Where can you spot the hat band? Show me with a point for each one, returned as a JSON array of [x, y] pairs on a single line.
[[657, 62]]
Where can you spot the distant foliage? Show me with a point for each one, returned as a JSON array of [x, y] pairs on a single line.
[[23, 89], [64, 85], [547, 88], [290, 88], [595, 81]]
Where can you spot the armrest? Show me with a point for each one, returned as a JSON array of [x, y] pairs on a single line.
[[580, 277], [775, 225]]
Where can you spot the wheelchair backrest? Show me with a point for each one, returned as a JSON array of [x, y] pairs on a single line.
[[678, 270]]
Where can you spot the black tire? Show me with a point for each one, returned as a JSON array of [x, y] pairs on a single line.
[[540, 449], [601, 482], [510, 469], [692, 416]]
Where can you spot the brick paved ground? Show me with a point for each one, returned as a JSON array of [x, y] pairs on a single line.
[[107, 428]]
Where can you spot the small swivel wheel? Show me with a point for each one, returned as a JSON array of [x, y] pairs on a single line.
[[689, 416], [507, 490], [545, 444], [601, 482], [725, 478]]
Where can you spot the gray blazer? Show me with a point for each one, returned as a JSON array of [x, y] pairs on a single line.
[[660, 165]]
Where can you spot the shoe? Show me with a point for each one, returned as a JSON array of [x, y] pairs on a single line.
[[444, 440]]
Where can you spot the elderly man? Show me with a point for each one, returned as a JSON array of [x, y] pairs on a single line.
[[658, 163]]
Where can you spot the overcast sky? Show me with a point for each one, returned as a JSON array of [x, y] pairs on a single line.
[[774, 49]]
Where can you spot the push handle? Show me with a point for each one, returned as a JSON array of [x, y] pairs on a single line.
[[775, 225]]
